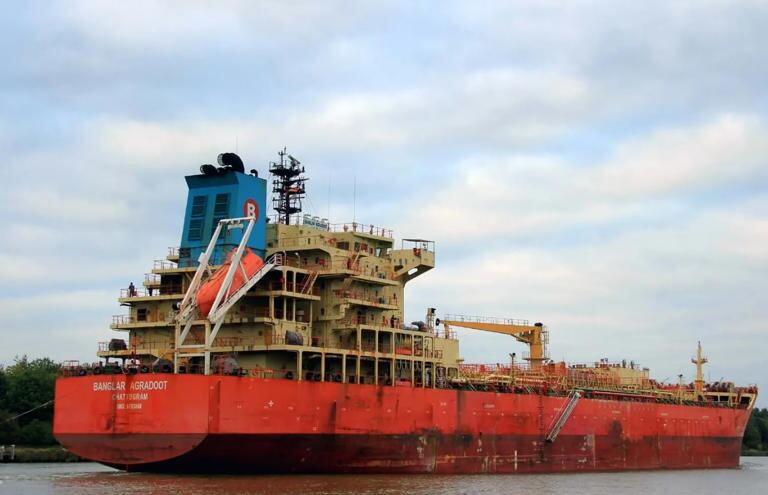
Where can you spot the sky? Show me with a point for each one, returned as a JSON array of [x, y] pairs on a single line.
[[601, 167]]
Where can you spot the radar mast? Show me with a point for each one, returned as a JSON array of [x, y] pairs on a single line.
[[287, 186]]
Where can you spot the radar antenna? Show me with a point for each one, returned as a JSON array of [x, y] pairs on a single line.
[[287, 187]]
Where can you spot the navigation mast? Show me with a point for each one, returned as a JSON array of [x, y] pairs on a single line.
[[287, 187], [699, 361]]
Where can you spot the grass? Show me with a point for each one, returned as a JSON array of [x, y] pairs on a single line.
[[54, 453]]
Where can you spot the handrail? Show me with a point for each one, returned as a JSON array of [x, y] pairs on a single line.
[[164, 265], [364, 296], [288, 287], [163, 290], [487, 319], [356, 227]]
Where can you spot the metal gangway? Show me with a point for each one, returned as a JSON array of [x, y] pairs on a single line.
[[225, 298], [563, 415]]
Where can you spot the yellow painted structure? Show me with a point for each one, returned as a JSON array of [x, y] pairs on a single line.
[[535, 336]]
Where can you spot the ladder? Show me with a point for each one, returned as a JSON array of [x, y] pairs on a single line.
[[310, 282], [355, 266], [562, 417]]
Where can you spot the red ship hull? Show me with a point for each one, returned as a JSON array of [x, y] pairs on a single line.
[[193, 423]]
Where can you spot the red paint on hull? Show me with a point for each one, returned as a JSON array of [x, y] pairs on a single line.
[[439, 454], [234, 424]]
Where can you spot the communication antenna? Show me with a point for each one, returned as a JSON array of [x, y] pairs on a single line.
[[288, 187], [354, 200]]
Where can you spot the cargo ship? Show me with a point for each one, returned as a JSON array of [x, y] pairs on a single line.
[[278, 344]]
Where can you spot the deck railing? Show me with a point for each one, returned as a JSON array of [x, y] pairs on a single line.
[[361, 228], [487, 319], [164, 265], [365, 296]]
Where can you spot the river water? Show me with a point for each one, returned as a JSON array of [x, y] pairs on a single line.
[[94, 479]]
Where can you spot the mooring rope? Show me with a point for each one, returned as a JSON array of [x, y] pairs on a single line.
[[27, 412]]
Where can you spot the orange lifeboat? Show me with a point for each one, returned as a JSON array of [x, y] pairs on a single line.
[[251, 262]]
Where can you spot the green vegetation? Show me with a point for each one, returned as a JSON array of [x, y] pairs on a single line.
[[24, 385], [54, 453], [756, 434]]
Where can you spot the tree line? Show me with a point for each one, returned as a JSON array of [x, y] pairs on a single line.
[[26, 384], [756, 434]]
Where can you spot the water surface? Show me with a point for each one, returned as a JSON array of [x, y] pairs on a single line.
[[94, 479]]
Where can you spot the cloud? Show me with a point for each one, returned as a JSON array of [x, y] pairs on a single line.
[[730, 148], [518, 194], [492, 107], [57, 206], [598, 166], [19, 308]]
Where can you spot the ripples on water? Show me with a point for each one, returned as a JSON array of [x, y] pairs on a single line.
[[94, 479]]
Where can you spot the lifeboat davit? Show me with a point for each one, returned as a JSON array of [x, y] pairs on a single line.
[[251, 262]]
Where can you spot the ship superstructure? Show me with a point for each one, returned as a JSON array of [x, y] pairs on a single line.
[[311, 345], [331, 307]]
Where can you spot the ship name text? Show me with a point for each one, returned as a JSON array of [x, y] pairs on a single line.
[[121, 386]]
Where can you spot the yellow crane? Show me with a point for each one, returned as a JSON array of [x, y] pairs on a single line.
[[535, 336]]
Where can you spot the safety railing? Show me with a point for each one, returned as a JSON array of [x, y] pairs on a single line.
[[493, 368], [135, 344], [418, 245], [487, 319], [361, 228], [277, 285], [164, 265], [122, 319], [372, 321], [132, 292], [322, 265], [152, 317], [163, 290], [365, 296]]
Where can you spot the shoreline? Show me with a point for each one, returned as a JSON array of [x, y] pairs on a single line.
[[53, 453], [754, 453]]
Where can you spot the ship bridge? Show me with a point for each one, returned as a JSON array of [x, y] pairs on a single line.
[[414, 257]]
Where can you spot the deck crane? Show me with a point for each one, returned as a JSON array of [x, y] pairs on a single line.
[[535, 336]]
